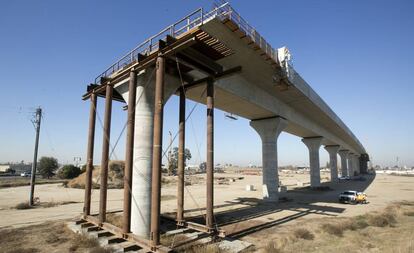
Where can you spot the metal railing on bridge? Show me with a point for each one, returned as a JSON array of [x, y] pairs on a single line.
[[192, 20]]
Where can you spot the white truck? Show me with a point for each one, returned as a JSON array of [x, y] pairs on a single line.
[[353, 197]]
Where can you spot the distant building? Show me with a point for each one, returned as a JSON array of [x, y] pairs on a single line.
[[4, 168], [21, 167]]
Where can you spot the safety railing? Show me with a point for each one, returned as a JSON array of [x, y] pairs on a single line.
[[192, 20]]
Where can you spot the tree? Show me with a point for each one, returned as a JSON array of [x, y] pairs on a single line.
[[69, 171], [203, 167], [173, 163], [47, 166]]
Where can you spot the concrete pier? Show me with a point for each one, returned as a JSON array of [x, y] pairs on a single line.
[[350, 164], [313, 144], [333, 161], [143, 145], [344, 162], [356, 164], [269, 130]]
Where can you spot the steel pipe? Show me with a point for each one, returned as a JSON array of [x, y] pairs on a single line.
[[210, 155], [89, 155], [157, 152], [105, 153], [181, 159], [129, 152]]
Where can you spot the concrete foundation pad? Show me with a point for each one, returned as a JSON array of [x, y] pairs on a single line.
[[235, 246]]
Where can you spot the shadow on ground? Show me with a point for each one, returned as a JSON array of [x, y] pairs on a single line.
[[250, 214]]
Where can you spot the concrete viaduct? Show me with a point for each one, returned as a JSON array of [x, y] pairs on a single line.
[[218, 59]]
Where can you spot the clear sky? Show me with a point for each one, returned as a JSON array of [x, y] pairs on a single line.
[[357, 55]]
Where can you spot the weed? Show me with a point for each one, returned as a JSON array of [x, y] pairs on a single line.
[[83, 241], [100, 250], [272, 247], [384, 219], [168, 197], [23, 205], [334, 229], [115, 219], [359, 222], [303, 233], [26, 250]]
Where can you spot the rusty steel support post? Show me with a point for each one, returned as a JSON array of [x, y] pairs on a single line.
[[157, 153], [210, 155], [105, 153], [181, 159], [89, 156], [129, 152]]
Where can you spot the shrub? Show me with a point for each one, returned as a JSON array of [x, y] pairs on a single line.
[[83, 241], [69, 172], [23, 205], [117, 169], [359, 222], [303, 233], [382, 220], [271, 247], [335, 229]]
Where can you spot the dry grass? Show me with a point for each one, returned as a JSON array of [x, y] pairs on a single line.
[[25, 205], [24, 181], [115, 219], [389, 230], [206, 248], [386, 218], [272, 247], [83, 241], [172, 240], [168, 197], [46, 237], [334, 228], [303, 233]]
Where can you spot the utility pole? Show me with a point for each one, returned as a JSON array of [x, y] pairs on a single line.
[[36, 123]]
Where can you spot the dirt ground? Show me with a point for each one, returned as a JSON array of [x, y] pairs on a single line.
[[241, 213]]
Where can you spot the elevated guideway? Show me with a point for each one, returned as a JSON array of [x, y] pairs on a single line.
[[215, 58], [267, 85]]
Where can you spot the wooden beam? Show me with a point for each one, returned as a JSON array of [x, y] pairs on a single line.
[[202, 59]]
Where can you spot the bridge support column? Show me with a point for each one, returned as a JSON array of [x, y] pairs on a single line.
[[181, 159], [210, 156], [129, 153], [269, 130], [350, 164], [142, 151], [333, 161], [313, 145], [89, 156], [344, 165], [157, 152], [105, 153], [143, 144], [356, 162]]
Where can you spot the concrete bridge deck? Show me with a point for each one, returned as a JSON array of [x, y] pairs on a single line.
[[261, 89]]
